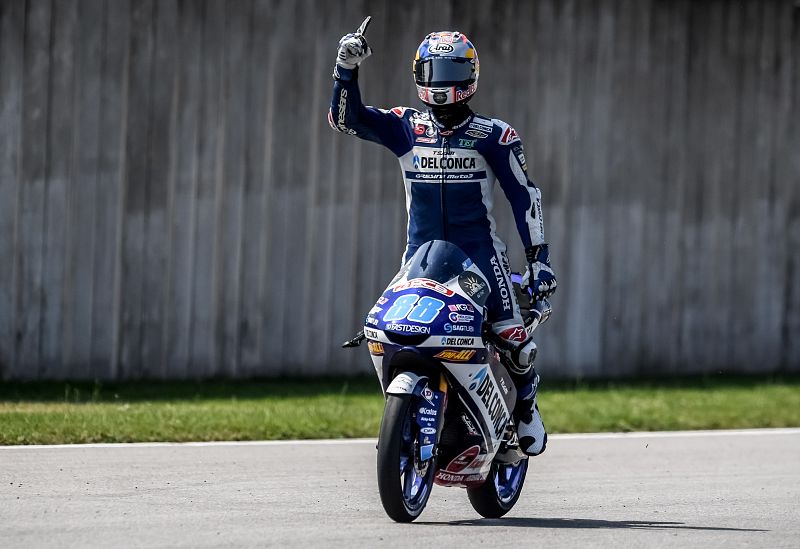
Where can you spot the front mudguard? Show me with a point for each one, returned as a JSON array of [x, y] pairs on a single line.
[[429, 406], [407, 383]]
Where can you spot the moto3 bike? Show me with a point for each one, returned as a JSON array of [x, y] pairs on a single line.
[[449, 400]]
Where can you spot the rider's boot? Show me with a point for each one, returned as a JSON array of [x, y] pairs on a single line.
[[530, 428]]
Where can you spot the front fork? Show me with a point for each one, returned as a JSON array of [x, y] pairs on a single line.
[[430, 418], [430, 404]]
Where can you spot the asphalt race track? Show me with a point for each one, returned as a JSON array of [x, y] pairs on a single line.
[[695, 489]]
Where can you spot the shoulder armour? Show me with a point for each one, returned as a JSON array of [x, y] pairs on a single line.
[[508, 134]]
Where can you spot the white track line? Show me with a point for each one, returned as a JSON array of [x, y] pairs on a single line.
[[574, 436], [680, 434]]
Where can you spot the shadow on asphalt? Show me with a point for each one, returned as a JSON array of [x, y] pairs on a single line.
[[586, 523]]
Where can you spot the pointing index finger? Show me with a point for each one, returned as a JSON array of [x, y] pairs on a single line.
[[363, 28]]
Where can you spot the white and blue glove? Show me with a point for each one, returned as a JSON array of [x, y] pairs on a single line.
[[353, 47], [539, 276]]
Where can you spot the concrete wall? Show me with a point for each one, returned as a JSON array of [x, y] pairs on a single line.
[[173, 203]]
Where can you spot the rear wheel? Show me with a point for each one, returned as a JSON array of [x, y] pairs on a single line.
[[495, 497], [404, 483]]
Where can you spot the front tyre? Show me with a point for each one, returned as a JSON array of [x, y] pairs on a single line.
[[495, 497], [404, 483]]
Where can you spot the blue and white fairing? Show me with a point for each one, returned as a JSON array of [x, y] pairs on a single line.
[[434, 307], [436, 301]]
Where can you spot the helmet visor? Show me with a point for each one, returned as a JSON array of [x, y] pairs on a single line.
[[443, 72]]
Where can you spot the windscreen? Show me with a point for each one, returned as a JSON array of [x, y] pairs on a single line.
[[438, 260]]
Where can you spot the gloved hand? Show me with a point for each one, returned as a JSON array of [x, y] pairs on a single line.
[[353, 47], [539, 275]]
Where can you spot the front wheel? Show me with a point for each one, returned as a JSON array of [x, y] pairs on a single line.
[[495, 497], [404, 483]]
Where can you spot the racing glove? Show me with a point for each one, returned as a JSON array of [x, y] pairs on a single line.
[[353, 49], [539, 275]]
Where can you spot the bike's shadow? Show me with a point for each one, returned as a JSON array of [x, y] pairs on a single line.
[[577, 523]]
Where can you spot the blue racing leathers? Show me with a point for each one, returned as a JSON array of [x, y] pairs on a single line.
[[449, 174]]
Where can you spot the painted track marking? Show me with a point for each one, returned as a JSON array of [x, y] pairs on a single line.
[[566, 436]]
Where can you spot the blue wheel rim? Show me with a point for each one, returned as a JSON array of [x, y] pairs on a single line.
[[415, 485], [508, 479]]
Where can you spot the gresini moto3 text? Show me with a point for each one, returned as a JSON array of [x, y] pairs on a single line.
[[449, 400]]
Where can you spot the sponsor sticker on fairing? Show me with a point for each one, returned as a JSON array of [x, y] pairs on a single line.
[[484, 387], [450, 328], [449, 477], [463, 460], [451, 355], [427, 394], [423, 283], [410, 328], [375, 348], [458, 341], [459, 318], [474, 286], [464, 307], [370, 333], [503, 385], [471, 430]]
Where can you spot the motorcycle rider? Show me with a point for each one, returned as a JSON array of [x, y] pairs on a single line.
[[450, 157]]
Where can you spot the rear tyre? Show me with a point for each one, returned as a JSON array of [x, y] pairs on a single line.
[[495, 497], [404, 483]]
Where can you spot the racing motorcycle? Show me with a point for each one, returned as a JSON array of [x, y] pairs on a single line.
[[449, 400]]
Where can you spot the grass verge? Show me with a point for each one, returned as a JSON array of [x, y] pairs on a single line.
[[56, 413]]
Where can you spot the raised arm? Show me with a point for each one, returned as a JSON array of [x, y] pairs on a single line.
[[348, 114]]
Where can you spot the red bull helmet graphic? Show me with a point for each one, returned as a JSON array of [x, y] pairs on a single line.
[[446, 68]]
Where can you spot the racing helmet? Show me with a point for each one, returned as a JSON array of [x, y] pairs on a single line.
[[446, 69]]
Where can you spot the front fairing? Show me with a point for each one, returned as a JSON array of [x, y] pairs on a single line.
[[432, 314], [436, 300]]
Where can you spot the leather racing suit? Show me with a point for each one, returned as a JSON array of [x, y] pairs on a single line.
[[448, 175]]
